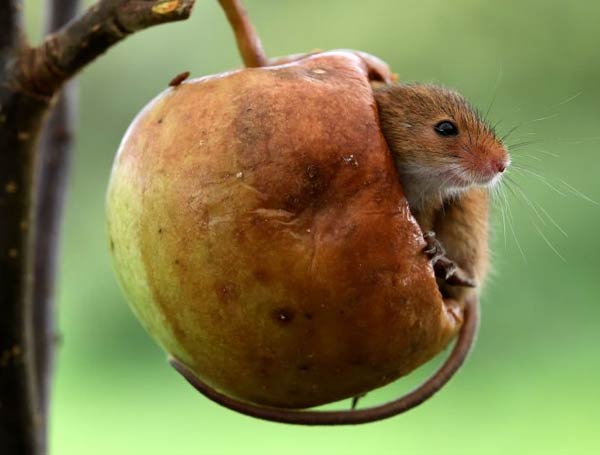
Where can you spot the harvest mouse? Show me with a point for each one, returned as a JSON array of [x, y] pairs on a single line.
[[447, 158]]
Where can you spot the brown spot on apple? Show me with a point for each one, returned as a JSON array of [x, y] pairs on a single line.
[[283, 315]]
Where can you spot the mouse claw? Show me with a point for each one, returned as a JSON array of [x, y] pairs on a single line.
[[444, 268], [433, 248], [461, 279], [451, 274]]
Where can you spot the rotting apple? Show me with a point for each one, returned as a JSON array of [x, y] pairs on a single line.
[[260, 232]]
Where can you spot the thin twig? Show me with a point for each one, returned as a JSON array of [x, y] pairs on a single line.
[[29, 81], [248, 42], [20, 121], [10, 25], [51, 176], [18, 433]]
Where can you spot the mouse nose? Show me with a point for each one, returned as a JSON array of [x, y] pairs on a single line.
[[500, 165]]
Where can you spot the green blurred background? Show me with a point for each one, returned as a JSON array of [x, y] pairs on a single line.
[[532, 384]]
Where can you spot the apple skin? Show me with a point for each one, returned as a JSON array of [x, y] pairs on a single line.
[[260, 233]]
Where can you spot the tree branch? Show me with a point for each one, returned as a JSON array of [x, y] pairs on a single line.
[[31, 191], [44, 69], [20, 121], [18, 434], [52, 166], [248, 42], [10, 25]]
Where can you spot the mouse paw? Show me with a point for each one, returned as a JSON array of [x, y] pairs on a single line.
[[452, 274], [444, 268], [433, 248]]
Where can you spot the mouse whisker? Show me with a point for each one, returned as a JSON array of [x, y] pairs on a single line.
[[511, 221], [523, 170], [574, 191], [549, 243], [526, 170], [496, 196], [494, 95], [495, 126], [567, 100], [576, 141], [529, 122], [523, 137], [532, 206], [552, 220], [546, 152], [527, 200], [517, 145], [533, 157], [509, 132]]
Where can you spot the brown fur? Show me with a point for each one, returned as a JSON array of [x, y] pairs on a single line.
[[445, 178]]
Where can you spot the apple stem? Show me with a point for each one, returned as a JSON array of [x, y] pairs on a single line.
[[248, 42]]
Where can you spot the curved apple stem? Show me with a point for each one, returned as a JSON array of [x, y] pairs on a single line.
[[248, 42], [411, 400]]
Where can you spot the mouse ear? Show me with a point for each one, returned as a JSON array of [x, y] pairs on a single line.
[[261, 235]]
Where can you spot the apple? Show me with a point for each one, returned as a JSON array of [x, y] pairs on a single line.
[[260, 232]]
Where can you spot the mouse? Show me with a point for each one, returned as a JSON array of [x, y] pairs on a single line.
[[447, 157]]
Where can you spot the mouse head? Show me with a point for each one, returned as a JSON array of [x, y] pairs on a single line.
[[440, 143]]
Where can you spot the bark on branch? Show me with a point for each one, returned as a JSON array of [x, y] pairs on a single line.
[[31, 189], [51, 170], [44, 69], [10, 23]]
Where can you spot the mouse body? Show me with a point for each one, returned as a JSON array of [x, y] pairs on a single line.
[[447, 157]]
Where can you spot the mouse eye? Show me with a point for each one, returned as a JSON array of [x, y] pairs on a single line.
[[446, 128]]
